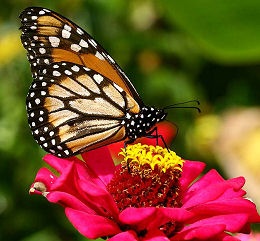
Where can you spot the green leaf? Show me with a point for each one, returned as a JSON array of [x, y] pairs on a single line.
[[227, 31]]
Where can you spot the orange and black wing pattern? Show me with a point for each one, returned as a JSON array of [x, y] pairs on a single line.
[[79, 98], [49, 37], [73, 109]]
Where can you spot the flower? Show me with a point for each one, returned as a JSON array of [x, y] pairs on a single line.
[[153, 195]]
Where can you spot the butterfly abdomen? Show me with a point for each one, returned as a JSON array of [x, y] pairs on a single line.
[[138, 125]]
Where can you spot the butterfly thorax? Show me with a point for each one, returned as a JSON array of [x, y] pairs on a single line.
[[138, 125]]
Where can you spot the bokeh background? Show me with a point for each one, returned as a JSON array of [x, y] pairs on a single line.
[[173, 51]]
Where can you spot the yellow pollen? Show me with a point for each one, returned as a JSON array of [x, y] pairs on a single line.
[[150, 157]]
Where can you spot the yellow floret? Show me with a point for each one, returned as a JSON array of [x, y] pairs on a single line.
[[138, 156]]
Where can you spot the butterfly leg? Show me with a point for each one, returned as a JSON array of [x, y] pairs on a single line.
[[149, 135], [128, 142], [155, 129]]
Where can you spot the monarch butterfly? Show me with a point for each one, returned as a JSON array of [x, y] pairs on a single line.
[[80, 99]]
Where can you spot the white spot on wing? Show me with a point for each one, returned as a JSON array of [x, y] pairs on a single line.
[[79, 31], [118, 87], [75, 47], [83, 43], [65, 33], [67, 27], [67, 72], [56, 73], [85, 68], [42, 50], [98, 78], [98, 55], [75, 68], [55, 41], [92, 42], [110, 58]]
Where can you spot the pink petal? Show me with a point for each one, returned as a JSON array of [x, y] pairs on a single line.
[[206, 232], [67, 200], [225, 237], [45, 176], [231, 194], [230, 238], [191, 170], [232, 222], [164, 215], [67, 181], [209, 178], [99, 197], [57, 163], [209, 193], [228, 206], [125, 236], [136, 215], [213, 186], [91, 226], [237, 183], [155, 235], [101, 163], [85, 173]]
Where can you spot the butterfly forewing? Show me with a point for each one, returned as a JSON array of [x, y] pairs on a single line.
[[50, 37], [72, 109]]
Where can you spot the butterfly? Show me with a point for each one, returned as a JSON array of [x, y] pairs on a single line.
[[80, 99]]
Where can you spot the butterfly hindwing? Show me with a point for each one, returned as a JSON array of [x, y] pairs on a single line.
[[72, 109], [50, 37]]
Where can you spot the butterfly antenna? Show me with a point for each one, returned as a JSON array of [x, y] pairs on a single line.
[[175, 106]]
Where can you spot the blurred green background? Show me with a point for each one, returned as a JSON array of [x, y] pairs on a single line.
[[173, 51]]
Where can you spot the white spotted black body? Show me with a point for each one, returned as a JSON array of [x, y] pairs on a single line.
[[140, 124]]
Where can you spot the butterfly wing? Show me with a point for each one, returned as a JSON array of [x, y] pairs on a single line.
[[73, 109], [50, 37]]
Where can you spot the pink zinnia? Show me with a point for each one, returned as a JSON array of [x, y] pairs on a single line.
[[150, 196]]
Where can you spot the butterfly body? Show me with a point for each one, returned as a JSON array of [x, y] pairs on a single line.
[[80, 98], [139, 125]]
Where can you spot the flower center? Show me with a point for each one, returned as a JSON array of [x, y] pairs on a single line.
[[148, 177]]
